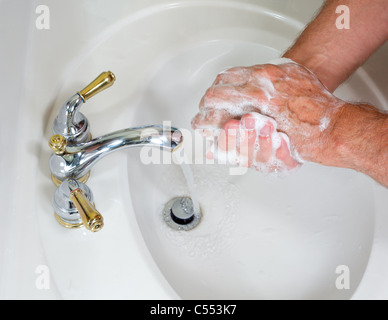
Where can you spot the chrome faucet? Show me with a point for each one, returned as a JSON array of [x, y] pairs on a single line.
[[75, 154]]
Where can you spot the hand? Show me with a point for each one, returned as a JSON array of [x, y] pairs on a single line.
[[253, 142], [296, 106]]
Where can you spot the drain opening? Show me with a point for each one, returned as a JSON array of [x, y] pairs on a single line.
[[179, 214]]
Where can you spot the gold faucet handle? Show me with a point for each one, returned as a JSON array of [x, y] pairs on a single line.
[[91, 218], [58, 144], [102, 82]]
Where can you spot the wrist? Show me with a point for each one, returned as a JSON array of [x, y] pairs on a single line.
[[359, 140], [381, 172], [325, 69]]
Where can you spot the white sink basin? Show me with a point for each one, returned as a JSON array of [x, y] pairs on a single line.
[[260, 237]]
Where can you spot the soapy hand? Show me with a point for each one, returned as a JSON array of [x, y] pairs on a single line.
[[273, 116]]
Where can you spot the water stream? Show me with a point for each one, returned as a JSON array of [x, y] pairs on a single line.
[[188, 174]]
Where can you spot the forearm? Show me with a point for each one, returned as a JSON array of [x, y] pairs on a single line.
[[334, 54], [359, 140]]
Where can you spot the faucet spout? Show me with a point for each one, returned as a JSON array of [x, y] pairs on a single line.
[[77, 159]]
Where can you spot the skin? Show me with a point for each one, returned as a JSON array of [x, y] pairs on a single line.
[[352, 136], [332, 54]]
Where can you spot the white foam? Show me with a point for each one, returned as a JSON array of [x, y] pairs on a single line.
[[266, 86], [324, 123]]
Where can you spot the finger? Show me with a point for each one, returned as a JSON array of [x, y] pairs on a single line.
[[210, 118], [227, 140], [210, 155], [247, 140], [265, 150], [222, 103], [265, 127], [236, 76], [284, 153]]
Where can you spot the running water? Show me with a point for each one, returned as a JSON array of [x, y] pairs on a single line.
[[191, 185], [188, 174]]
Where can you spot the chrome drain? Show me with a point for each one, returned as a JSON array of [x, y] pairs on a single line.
[[179, 214]]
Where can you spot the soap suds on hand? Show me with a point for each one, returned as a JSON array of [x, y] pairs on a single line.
[[237, 155], [264, 92]]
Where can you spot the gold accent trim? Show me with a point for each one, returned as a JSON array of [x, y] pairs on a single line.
[[83, 179], [58, 144], [102, 82], [66, 224]]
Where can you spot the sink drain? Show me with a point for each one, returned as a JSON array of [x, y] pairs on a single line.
[[179, 214]]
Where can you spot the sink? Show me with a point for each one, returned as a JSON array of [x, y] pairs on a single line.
[[260, 237]]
